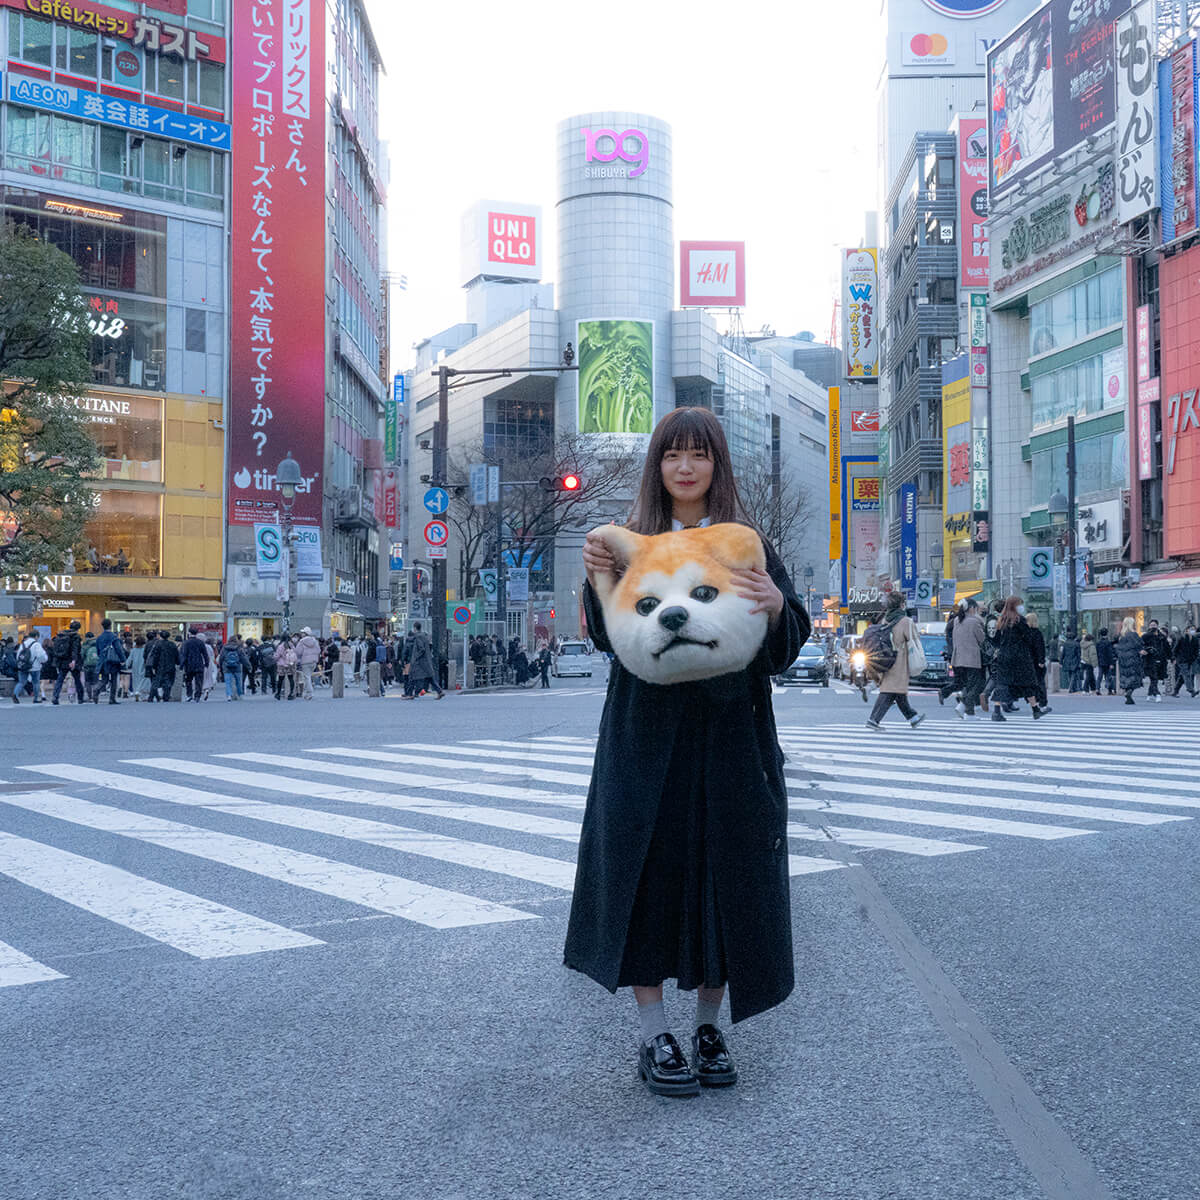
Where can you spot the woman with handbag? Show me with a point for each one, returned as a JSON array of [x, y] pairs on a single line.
[[910, 660]]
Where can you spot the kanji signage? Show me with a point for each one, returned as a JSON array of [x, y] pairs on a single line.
[[866, 494], [860, 299], [1137, 114], [277, 402]]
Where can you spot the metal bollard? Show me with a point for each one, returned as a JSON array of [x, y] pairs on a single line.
[[338, 680], [373, 679]]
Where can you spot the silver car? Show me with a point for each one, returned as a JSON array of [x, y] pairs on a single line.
[[572, 659]]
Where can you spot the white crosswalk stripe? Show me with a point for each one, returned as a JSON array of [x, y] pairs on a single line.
[[481, 811]]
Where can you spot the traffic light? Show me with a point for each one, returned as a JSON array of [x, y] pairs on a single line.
[[560, 483], [553, 614]]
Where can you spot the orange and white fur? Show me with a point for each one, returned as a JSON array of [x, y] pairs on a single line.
[[672, 611]]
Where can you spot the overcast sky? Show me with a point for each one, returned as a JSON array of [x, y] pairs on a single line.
[[772, 106]]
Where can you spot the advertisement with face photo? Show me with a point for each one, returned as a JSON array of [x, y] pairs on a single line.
[[1051, 84]]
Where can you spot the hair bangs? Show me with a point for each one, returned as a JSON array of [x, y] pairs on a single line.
[[688, 430]]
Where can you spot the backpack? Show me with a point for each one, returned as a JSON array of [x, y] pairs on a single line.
[[877, 645], [24, 658], [91, 656], [231, 660], [62, 646], [266, 656]]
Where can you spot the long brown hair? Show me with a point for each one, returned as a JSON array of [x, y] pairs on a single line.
[[1008, 614], [686, 429]]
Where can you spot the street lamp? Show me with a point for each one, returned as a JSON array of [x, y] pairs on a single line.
[[1062, 513], [287, 478], [808, 588], [937, 559]]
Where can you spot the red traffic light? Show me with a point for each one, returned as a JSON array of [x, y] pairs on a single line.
[[570, 483], [553, 614], [560, 483]]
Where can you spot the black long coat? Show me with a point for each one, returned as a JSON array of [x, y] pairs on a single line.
[[1129, 659], [1013, 665], [730, 722]]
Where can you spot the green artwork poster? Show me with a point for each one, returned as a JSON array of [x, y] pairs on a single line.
[[616, 376]]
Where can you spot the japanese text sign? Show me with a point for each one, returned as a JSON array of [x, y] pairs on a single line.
[[860, 300], [1137, 114]]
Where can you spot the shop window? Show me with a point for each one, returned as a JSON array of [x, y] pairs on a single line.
[[165, 75], [206, 84], [128, 346], [128, 432], [124, 536], [76, 52], [31, 39]]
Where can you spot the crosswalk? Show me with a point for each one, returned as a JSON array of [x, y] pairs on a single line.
[[482, 832]]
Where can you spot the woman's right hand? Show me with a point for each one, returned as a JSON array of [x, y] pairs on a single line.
[[597, 557]]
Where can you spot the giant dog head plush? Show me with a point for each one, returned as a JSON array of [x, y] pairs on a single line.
[[673, 613]]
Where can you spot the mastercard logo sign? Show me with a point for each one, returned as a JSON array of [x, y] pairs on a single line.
[[928, 45]]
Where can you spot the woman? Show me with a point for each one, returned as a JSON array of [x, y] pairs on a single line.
[[139, 683], [1013, 669], [966, 657], [210, 671], [1130, 653], [1091, 660], [893, 684], [285, 662], [683, 860], [1038, 649]]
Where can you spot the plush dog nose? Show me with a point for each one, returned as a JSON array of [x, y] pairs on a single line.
[[673, 619]]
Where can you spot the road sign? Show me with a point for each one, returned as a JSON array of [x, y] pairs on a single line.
[[437, 533], [436, 501], [462, 615], [479, 481], [436, 551]]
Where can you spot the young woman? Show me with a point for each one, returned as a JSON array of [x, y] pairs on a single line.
[[893, 685], [683, 858], [1130, 656], [1013, 669]]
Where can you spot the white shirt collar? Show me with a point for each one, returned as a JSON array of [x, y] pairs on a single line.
[[703, 523]]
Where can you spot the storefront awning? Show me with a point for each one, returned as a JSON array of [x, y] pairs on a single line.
[[168, 615], [1171, 589]]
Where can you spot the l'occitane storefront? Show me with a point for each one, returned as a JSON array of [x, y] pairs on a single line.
[[150, 557]]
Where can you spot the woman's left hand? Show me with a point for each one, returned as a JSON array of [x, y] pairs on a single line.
[[755, 584]]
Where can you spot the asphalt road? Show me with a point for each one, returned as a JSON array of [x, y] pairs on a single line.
[[299, 973]]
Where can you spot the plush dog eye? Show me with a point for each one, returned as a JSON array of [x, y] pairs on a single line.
[[704, 593], [646, 605]]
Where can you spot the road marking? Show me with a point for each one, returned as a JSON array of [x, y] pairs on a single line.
[[411, 779], [800, 864], [939, 820], [435, 907], [535, 868], [499, 818], [426, 760], [870, 839], [491, 754], [17, 968], [199, 927]]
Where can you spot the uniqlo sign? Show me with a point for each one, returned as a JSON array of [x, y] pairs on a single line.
[[712, 274], [512, 239], [277, 356]]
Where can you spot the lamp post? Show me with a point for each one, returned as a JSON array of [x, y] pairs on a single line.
[[287, 477], [937, 560], [808, 588], [1062, 513]]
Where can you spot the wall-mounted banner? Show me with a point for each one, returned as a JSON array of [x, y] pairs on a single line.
[[391, 500], [864, 422], [835, 475], [124, 114], [981, 533], [978, 319], [1182, 134], [277, 318], [1038, 567], [925, 592], [396, 556], [865, 497], [1143, 343], [390, 430], [860, 299], [307, 540], [712, 274], [268, 550], [518, 585], [908, 535], [1137, 113], [973, 201], [947, 590], [616, 376], [1145, 442]]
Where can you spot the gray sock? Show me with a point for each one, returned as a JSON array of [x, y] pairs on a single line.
[[654, 1020], [707, 1013]]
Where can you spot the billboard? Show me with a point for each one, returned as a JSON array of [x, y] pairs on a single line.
[[864, 421], [1051, 83], [865, 494], [1180, 150], [957, 500], [616, 376], [973, 202], [835, 473], [860, 299], [1137, 114], [502, 240], [277, 399], [1180, 405], [712, 274]]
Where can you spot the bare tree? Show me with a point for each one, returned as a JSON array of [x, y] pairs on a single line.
[[532, 517], [782, 507]]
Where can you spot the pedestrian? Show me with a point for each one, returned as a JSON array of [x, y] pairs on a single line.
[[266, 665], [30, 658], [111, 653], [285, 662], [966, 657], [895, 630], [543, 662], [1187, 650], [406, 654], [90, 658], [1158, 655], [165, 663], [520, 665], [422, 670], [233, 665], [252, 658], [195, 663], [1130, 655], [1090, 658], [139, 685], [1037, 646], [1013, 670], [308, 652], [1106, 663], [153, 646], [683, 860], [1069, 661]]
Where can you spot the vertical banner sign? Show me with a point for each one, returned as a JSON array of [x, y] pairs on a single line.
[[908, 536], [268, 550], [1183, 137], [1137, 113], [391, 516], [1143, 344], [835, 473], [860, 292], [973, 201], [278, 228], [479, 483], [390, 428]]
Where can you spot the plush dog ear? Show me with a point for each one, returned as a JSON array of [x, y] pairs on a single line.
[[737, 547], [624, 545]]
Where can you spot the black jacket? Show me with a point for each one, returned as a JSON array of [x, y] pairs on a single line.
[[195, 656], [1158, 652], [1187, 650], [730, 724], [1069, 654], [1037, 645], [1013, 664], [1129, 660], [1106, 655], [167, 658]]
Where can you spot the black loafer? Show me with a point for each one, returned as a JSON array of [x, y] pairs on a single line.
[[664, 1070], [711, 1059]]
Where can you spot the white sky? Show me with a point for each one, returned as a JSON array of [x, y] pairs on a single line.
[[772, 106]]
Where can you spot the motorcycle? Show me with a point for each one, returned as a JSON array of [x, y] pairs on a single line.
[[858, 672]]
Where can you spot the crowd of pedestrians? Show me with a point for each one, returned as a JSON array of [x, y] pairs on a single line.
[[495, 663]]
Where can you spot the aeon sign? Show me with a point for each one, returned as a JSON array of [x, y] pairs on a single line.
[[964, 9], [606, 146]]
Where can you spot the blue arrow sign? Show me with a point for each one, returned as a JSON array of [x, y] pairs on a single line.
[[436, 501]]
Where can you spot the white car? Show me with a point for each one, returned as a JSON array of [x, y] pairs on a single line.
[[572, 659]]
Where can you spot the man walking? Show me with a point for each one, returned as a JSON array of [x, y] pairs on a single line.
[[1106, 664], [30, 659], [422, 670], [166, 660], [1069, 661], [91, 666], [1158, 654], [111, 654], [308, 651], [1090, 659], [195, 663], [1187, 651], [233, 664]]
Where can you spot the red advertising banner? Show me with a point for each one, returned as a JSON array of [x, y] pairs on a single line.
[[864, 422], [390, 514], [1183, 138], [277, 399], [1179, 312], [973, 201]]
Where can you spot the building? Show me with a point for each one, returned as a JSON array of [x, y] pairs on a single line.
[[614, 304], [115, 148]]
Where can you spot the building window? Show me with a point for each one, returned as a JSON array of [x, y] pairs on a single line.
[[206, 84], [165, 76], [195, 320], [122, 64], [124, 537], [128, 346], [128, 434], [1076, 312], [31, 39], [1077, 389], [1101, 465]]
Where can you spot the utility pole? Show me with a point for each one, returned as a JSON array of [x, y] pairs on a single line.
[[1073, 597]]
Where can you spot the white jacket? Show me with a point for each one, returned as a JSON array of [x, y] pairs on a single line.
[[36, 652]]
